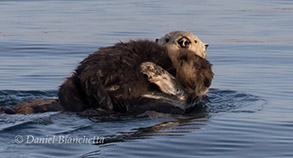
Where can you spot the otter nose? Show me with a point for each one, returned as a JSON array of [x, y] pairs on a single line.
[[206, 45], [184, 42]]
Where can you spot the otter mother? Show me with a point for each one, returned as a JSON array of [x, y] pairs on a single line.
[[111, 78], [134, 76]]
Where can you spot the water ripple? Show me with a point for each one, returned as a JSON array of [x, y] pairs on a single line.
[[233, 101]]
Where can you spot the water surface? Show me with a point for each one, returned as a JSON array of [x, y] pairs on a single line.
[[249, 112]]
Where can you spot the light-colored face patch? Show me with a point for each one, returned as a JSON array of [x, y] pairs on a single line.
[[183, 40]]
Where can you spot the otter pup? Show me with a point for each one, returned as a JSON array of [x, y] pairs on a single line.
[[193, 78], [114, 79]]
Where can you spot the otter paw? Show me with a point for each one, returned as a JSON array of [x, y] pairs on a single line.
[[154, 72], [163, 79]]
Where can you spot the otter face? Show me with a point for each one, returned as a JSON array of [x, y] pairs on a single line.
[[176, 40]]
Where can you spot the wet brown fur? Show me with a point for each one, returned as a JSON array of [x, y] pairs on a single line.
[[194, 73], [34, 106], [110, 78], [112, 75]]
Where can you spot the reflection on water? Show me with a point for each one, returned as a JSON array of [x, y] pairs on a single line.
[[249, 111], [116, 128]]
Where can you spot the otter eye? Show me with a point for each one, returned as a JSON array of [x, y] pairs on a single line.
[[195, 41], [167, 40]]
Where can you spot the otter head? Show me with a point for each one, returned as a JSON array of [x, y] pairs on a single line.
[[177, 40]]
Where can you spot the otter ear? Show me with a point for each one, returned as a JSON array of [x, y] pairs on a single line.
[[156, 40]]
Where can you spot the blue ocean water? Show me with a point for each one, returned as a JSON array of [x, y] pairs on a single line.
[[249, 112]]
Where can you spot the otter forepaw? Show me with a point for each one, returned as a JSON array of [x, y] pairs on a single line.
[[163, 79]]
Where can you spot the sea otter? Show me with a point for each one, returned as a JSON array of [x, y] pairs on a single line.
[[124, 77]]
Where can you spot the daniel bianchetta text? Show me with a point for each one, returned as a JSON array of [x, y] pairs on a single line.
[[59, 139]]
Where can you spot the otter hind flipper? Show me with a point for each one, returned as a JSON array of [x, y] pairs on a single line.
[[34, 106]]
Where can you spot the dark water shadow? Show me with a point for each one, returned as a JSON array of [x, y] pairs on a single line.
[[120, 128], [173, 125], [218, 101]]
